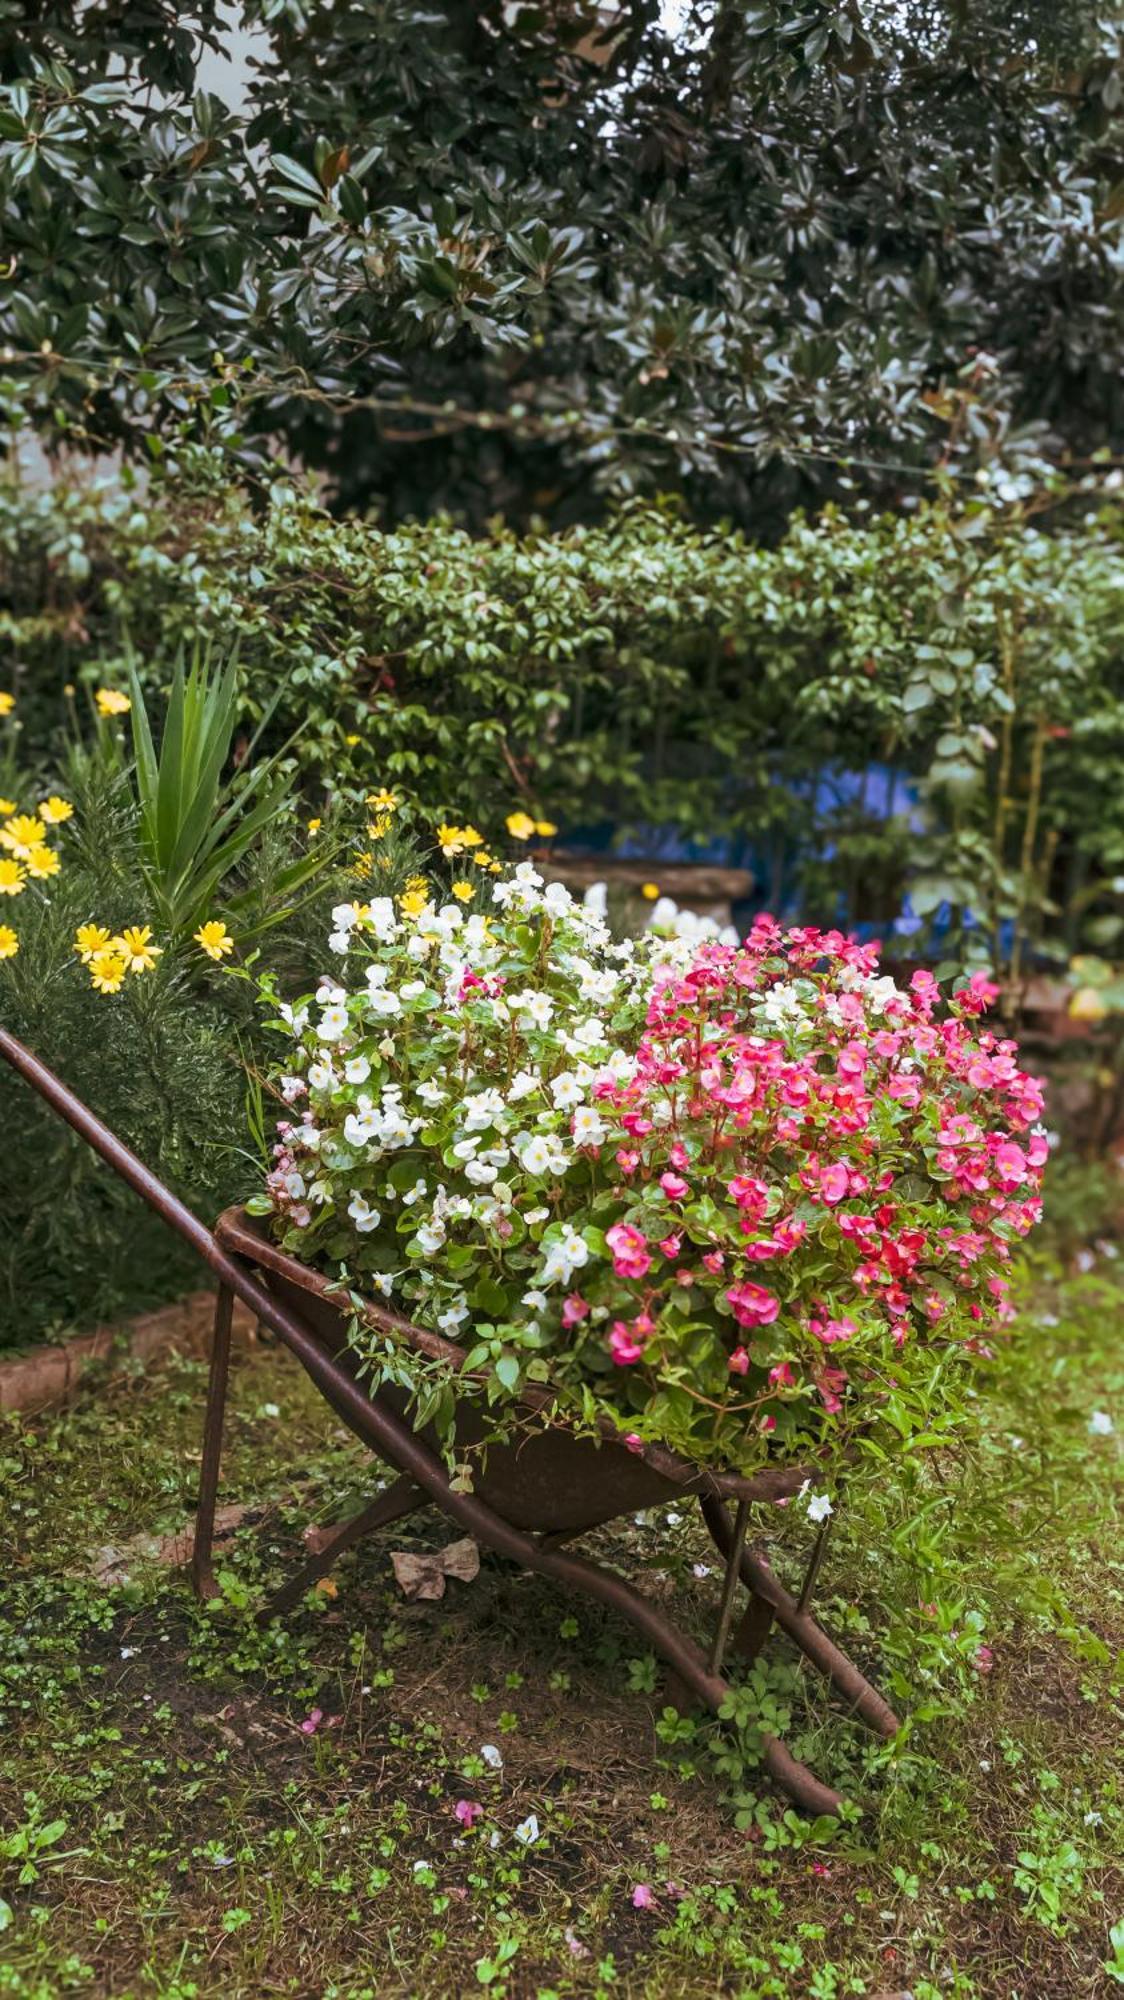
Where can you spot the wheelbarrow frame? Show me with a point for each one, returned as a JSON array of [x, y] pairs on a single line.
[[423, 1479]]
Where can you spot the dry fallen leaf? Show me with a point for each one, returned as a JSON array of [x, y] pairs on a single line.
[[114, 1565], [423, 1576]]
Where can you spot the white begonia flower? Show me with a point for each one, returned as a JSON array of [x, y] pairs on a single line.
[[482, 1110], [819, 1507], [1101, 1424], [590, 1034], [416, 1193], [291, 1088], [535, 1156], [383, 1282], [491, 1756], [362, 1125], [362, 1214], [537, 1301], [321, 1075], [340, 941], [357, 1069], [480, 1173], [431, 1236], [564, 1257], [332, 1023], [419, 947], [453, 1316], [413, 989], [522, 1084], [539, 1007], [557, 899], [586, 1126], [382, 1000], [596, 899], [528, 1830], [466, 1149], [345, 916], [431, 1092], [377, 974], [328, 993], [382, 920], [532, 1216], [496, 1156], [565, 1090], [295, 1018]]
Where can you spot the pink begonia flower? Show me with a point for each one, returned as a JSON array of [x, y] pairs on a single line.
[[1010, 1163], [574, 1308], [820, 1868], [852, 1059], [623, 1346], [674, 1186], [782, 1376], [739, 1361], [627, 1160], [632, 1442], [678, 1154], [629, 1246], [643, 1897], [312, 1722], [468, 1812], [833, 1183], [752, 1305], [714, 1261], [984, 1660], [831, 1330], [767, 1424], [671, 1245]]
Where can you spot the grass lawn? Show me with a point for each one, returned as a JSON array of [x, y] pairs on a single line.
[[168, 1827]]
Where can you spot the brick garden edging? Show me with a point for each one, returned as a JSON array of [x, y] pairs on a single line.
[[44, 1377]]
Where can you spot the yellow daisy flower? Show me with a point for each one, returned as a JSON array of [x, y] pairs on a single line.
[[314, 826], [11, 878], [450, 840], [22, 833], [544, 828], [214, 939], [650, 891], [520, 825], [463, 891], [470, 837], [7, 703], [42, 863], [413, 902], [382, 801], [379, 827], [7, 808], [136, 948], [482, 859], [9, 942], [107, 971], [89, 939], [363, 864], [111, 701], [54, 810], [351, 741]]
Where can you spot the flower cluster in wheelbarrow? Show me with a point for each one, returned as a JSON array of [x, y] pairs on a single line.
[[736, 1196]]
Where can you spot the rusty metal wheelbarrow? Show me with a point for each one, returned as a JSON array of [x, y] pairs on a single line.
[[530, 1498]]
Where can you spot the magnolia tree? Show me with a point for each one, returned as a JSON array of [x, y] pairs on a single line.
[[744, 1199]]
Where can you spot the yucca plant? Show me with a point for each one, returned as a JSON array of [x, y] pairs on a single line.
[[198, 825]]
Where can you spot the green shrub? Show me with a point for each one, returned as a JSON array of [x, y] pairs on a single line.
[[646, 672]]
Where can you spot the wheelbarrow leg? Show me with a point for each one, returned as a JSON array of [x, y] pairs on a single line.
[[794, 1618], [202, 1573], [399, 1500]]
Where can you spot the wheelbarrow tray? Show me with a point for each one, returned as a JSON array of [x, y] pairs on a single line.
[[551, 1480]]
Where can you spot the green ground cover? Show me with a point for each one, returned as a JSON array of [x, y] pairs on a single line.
[[169, 1828]]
